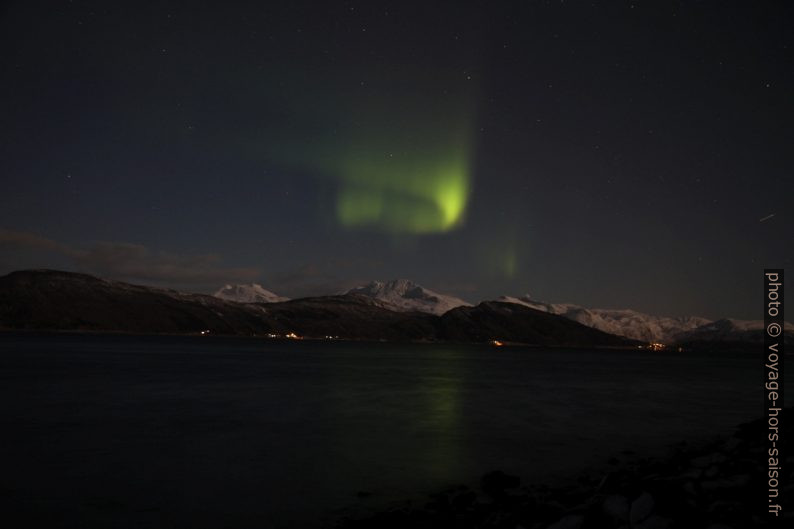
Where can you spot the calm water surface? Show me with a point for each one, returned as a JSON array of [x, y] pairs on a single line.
[[119, 431]]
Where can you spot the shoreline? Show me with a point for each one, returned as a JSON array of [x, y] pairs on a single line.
[[716, 483], [714, 348]]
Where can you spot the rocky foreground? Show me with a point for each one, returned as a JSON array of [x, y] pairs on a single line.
[[715, 485]]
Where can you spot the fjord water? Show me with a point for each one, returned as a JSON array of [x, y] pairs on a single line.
[[124, 431]]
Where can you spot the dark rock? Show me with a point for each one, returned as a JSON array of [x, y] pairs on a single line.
[[641, 508], [732, 444], [689, 488], [727, 483], [692, 474], [464, 500], [708, 460], [654, 522], [616, 507], [494, 483], [572, 521], [673, 495]]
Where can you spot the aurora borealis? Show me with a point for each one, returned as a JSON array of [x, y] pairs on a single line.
[[400, 161], [480, 149], [415, 196], [399, 166]]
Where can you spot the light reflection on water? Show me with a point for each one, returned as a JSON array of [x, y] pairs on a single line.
[[444, 410], [142, 432]]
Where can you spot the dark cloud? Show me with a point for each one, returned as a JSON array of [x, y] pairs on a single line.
[[22, 239], [132, 262]]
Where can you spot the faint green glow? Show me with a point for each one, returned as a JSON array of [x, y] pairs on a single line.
[[400, 194], [398, 155], [502, 253], [510, 262], [444, 411]]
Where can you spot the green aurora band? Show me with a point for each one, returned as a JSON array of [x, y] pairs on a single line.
[[409, 173], [400, 157], [403, 194], [411, 177]]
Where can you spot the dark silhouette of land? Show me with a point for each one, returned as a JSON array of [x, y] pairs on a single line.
[[65, 301]]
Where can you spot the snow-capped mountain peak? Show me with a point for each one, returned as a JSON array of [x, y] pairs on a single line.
[[406, 296], [733, 330], [623, 322], [649, 328], [253, 293]]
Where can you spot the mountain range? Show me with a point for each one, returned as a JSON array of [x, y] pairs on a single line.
[[253, 293], [403, 295], [400, 295], [650, 328], [54, 300], [625, 322], [391, 310]]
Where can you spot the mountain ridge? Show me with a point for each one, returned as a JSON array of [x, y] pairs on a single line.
[[405, 296], [248, 293], [624, 322], [54, 300], [51, 299], [649, 328]]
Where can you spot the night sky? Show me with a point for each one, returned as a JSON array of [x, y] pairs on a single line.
[[611, 154]]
